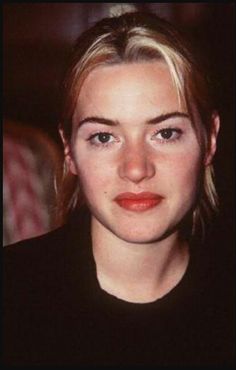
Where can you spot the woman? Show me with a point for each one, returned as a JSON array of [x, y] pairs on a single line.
[[126, 281]]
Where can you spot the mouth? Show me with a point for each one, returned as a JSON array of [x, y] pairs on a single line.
[[139, 202]]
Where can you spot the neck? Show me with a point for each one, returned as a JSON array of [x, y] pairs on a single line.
[[134, 272]]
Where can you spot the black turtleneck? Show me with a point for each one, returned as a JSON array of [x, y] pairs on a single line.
[[55, 312]]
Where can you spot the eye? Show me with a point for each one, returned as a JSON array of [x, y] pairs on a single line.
[[101, 138], [168, 134]]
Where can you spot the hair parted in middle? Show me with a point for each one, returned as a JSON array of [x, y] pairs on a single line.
[[136, 37]]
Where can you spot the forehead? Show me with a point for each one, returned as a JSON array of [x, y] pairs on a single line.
[[124, 87]]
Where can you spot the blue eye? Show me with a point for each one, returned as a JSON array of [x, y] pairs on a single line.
[[168, 134], [101, 138]]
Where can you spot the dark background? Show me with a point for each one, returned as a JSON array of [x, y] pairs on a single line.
[[37, 39]]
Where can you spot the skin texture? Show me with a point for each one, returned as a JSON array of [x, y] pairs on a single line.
[[164, 158]]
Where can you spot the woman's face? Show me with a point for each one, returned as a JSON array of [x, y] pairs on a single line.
[[135, 151]]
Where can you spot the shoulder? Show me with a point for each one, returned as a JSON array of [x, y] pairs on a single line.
[[43, 266], [33, 264], [40, 247], [217, 279]]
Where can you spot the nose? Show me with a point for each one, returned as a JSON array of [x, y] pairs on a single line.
[[136, 164]]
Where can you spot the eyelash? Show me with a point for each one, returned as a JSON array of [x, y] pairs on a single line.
[[170, 130], [100, 144]]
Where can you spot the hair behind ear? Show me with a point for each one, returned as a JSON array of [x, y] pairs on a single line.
[[208, 204], [67, 188], [212, 141]]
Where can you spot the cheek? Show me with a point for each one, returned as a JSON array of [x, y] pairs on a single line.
[[94, 175], [183, 173]]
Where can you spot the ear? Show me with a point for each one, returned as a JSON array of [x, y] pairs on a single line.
[[68, 154], [215, 126]]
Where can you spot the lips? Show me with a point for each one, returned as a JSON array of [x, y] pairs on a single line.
[[138, 202]]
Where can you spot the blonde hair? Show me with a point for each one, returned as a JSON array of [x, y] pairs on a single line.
[[140, 37]]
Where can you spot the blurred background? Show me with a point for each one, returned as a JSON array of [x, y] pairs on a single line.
[[37, 40]]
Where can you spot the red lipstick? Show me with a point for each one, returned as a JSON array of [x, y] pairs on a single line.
[[138, 202]]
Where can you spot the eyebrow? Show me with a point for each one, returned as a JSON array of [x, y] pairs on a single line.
[[153, 121], [166, 116]]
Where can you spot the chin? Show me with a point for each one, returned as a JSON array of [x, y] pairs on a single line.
[[141, 239], [141, 236]]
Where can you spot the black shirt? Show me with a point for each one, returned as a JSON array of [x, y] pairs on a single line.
[[55, 312]]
